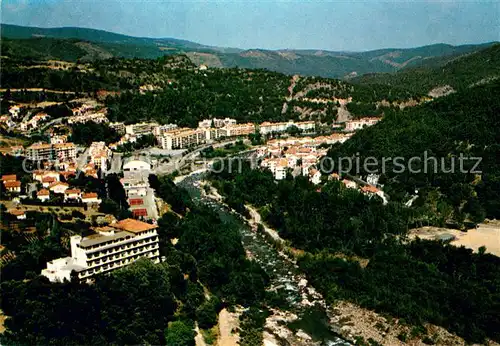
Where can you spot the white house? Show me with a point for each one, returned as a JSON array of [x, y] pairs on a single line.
[[39, 175], [43, 195], [12, 186], [14, 111], [72, 194], [18, 213], [58, 187], [280, 171], [90, 198], [349, 184], [315, 176], [372, 179], [48, 181]]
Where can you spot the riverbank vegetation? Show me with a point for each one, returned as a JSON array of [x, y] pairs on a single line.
[[418, 282], [227, 150]]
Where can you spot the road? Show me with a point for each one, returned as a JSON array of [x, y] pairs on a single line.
[[82, 159], [116, 163]]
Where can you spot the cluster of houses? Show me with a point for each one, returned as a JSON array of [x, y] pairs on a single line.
[[52, 185], [34, 122], [299, 156], [11, 184], [57, 163], [12, 120], [367, 189]]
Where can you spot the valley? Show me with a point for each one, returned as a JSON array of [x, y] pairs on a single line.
[[161, 191]]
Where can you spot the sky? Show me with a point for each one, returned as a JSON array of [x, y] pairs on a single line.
[[341, 25]]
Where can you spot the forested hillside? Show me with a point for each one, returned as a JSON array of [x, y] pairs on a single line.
[[354, 248], [98, 44], [459, 73], [465, 123], [177, 91]]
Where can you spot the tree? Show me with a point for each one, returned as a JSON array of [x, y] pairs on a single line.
[[206, 314], [179, 334]]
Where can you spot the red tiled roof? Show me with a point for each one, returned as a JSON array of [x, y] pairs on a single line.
[[72, 191], [9, 177], [43, 192], [8, 184], [140, 212], [89, 195], [16, 212], [58, 183], [135, 201], [369, 188]]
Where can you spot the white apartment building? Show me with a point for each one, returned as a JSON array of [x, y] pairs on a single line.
[[110, 248], [98, 118], [64, 151], [224, 122], [354, 125], [140, 129], [39, 151], [118, 127], [183, 138], [207, 123], [42, 151], [267, 127], [212, 134], [237, 130], [161, 129], [99, 155]]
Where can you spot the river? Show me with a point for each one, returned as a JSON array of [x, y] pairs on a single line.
[[308, 307]]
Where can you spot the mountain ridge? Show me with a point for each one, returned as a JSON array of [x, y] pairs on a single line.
[[325, 63]]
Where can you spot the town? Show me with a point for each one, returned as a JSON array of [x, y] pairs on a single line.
[[249, 173], [58, 162]]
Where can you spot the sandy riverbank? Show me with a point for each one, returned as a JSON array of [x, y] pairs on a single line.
[[229, 322], [487, 234]]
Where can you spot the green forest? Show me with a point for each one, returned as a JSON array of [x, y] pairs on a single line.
[[182, 94], [143, 303], [465, 123], [460, 73], [357, 249]]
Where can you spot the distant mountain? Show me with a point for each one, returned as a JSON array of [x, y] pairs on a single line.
[[96, 44], [443, 74]]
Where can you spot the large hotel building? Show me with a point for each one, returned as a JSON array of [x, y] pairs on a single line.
[[237, 130], [183, 138], [267, 127], [61, 151], [110, 248]]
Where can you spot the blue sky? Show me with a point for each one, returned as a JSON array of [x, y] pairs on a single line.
[[334, 25]]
